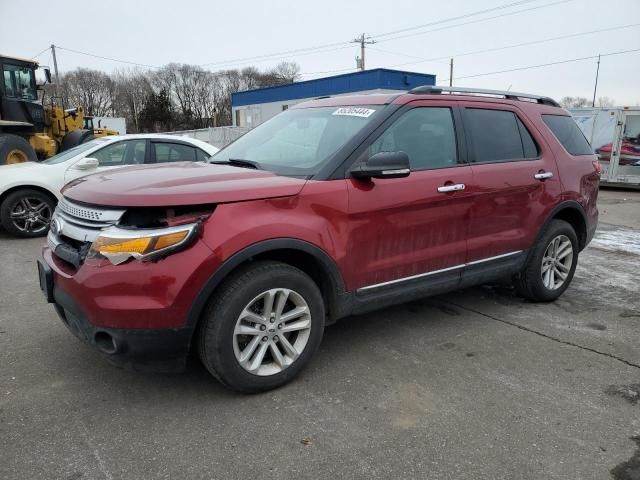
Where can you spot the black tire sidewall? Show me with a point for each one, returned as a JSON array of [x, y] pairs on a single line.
[[14, 142], [8, 204], [534, 269], [221, 317]]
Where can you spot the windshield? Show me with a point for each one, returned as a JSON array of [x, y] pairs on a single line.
[[298, 141], [19, 82], [72, 152]]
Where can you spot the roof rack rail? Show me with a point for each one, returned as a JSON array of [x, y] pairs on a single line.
[[429, 89]]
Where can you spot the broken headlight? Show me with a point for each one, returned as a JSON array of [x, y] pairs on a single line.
[[120, 244]]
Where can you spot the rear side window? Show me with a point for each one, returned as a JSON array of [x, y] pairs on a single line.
[[174, 152], [568, 134], [498, 135]]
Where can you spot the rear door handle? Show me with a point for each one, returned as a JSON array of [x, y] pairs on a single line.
[[451, 188], [543, 175]]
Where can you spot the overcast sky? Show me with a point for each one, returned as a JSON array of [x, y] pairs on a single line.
[[214, 32]]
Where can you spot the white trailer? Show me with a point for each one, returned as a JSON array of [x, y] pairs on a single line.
[[614, 134]]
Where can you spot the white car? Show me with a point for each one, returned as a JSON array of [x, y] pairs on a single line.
[[29, 191]]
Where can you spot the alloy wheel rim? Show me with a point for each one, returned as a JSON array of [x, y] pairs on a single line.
[[31, 215], [556, 262], [16, 156], [272, 331]]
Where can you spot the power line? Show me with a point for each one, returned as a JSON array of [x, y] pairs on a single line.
[[479, 20], [106, 58], [570, 60], [476, 52], [515, 45], [37, 55], [282, 54], [459, 17]]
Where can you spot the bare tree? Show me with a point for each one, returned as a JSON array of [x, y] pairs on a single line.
[[605, 102], [183, 96], [574, 102], [132, 89], [92, 90]]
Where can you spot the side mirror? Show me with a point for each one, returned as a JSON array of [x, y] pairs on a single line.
[[87, 163], [383, 165], [47, 75]]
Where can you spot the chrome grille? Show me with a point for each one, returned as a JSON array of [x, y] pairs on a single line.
[[88, 213], [82, 223]]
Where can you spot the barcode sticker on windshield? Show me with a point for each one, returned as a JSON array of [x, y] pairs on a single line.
[[354, 111]]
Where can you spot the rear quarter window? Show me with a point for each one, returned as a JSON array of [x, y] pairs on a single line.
[[568, 133]]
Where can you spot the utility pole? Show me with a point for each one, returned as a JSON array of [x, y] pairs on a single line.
[[595, 87], [55, 63], [362, 40], [451, 73]]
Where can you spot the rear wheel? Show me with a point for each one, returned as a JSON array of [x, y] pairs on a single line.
[[15, 149], [262, 327], [75, 138], [551, 264], [27, 213]]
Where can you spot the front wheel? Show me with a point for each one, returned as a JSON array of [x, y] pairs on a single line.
[[551, 264], [262, 327]]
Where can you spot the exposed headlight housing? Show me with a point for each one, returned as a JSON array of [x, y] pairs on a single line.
[[120, 244]]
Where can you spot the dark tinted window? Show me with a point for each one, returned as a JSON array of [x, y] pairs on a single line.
[[201, 155], [174, 152], [568, 134], [425, 134], [528, 143], [498, 135]]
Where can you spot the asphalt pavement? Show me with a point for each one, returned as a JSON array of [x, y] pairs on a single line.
[[476, 384]]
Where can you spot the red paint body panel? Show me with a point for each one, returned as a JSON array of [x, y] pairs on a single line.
[[509, 204], [180, 183], [404, 227], [374, 231]]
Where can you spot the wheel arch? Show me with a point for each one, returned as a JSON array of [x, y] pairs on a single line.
[[38, 188], [301, 254], [571, 212]]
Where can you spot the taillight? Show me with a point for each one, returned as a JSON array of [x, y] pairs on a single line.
[[597, 167]]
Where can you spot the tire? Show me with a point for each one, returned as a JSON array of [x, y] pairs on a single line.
[[221, 349], [535, 284], [37, 208], [15, 149], [75, 138]]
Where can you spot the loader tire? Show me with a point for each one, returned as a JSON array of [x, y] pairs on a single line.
[[15, 149]]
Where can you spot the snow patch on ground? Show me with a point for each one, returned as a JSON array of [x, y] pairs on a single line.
[[618, 240]]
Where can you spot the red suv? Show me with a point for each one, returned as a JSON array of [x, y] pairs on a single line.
[[334, 207]]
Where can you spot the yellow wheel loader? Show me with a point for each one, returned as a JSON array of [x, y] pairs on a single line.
[[30, 131]]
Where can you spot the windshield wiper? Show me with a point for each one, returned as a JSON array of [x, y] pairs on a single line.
[[238, 162]]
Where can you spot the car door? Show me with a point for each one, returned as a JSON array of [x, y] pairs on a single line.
[[515, 180], [412, 229], [114, 155]]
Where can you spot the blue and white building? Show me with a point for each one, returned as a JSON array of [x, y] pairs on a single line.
[[252, 107]]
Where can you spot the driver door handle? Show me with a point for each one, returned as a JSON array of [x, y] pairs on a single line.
[[543, 175], [451, 188]]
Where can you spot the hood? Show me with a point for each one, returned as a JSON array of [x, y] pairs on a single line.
[[180, 183]]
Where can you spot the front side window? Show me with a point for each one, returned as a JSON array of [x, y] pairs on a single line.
[[72, 152], [19, 82], [299, 141], [498, 135], [568, 134], [129, 152], [426, 134]]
